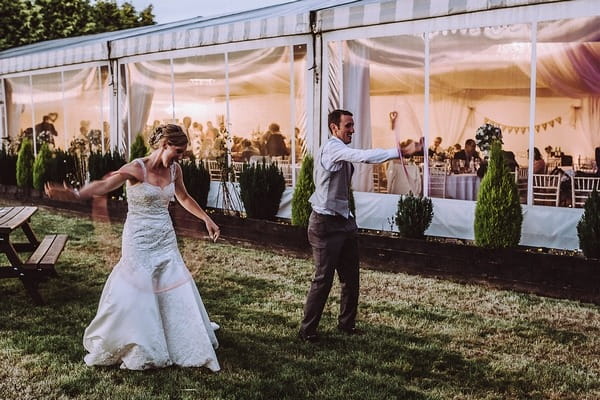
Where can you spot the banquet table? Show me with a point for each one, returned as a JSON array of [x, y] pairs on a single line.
[[402, 181], [462, 186]]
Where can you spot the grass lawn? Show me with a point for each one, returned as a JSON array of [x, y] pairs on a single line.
[[425, 338]]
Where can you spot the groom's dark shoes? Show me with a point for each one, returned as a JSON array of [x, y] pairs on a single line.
[[311, 338], [350, 331]]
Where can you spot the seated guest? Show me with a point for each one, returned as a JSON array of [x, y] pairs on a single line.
[[539, 165], [248, 150], [436, 148], [411, 148], [468, 153], [509, 160], [275, 142]]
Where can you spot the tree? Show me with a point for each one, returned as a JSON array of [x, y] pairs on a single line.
[[138, 148], [40, 167], [109, 17], [25, 164], [498, 215], [305, 187], [30, 21], [588, 228], [14, 26]]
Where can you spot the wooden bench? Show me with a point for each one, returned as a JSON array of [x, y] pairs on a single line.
[[40, 264], [46, 254]]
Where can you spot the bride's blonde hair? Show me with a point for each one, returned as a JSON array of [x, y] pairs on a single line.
[[171, 133]]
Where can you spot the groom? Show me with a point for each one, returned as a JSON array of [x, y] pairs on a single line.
[[332, 227]]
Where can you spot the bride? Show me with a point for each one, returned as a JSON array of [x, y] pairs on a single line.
[[150, 313]]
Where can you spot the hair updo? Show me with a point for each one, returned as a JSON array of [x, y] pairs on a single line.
[[171, 133]]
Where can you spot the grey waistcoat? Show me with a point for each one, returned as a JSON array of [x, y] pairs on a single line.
[[332, 187]]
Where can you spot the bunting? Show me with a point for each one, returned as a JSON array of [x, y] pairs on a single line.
[[524, 129]]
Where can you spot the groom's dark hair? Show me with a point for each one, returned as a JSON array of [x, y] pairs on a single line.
[[335, 117]]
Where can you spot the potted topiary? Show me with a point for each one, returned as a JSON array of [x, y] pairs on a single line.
[[414, 215], [41, 167], [305, 186], [25, 165], [498, 214], [196, 179], [588, 228], [261, 187]]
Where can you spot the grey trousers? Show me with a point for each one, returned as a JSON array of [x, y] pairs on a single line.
[[335, 248]]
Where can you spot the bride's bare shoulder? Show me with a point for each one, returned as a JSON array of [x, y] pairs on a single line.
[[132, 171]]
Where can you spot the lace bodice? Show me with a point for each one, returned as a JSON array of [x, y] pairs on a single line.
[[147, 199]]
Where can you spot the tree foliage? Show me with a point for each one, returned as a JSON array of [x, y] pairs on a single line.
[[138, 148], [25, 165], [8, 167], [498, 215], [40, 167], [196, 179], [30, 21], [305, 187], [588, 228], [261, 187], [414, 215]]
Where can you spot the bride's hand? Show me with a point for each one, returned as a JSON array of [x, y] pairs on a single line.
[[61, 192], [213, 230]]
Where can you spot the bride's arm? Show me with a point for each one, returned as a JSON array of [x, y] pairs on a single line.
[[192, 206], [96, 188]]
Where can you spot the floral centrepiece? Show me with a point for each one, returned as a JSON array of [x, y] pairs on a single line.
[[487, 134]]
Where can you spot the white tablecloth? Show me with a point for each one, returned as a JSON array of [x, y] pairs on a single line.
[[462, 186], [401, 181]]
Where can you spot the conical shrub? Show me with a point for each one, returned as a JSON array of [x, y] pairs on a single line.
[[498, 214], [41, 168], [138, 148], [305, 186], [25, 164], [588, 228]]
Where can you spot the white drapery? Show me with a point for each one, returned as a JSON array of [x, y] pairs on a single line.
[[357, 100], [449, 116]]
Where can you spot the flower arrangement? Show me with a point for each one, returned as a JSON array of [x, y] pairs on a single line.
[[94, 136], [45, 137], [487, 134], [78, 145]]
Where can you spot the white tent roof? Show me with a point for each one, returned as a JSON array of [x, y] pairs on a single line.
[[292, 18], [286, 19], [375, 12]]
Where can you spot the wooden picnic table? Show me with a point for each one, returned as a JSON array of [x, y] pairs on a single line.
[[39, 265]]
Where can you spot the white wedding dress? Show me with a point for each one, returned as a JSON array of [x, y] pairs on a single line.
[[150, 313]]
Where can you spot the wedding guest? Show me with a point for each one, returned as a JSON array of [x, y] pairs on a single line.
[[332, 227], [150, 313], [436, 149], [509, 161], [46, 130], [468, 153], [539, 165], [248, 150], [411, 148], [275, 142]]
